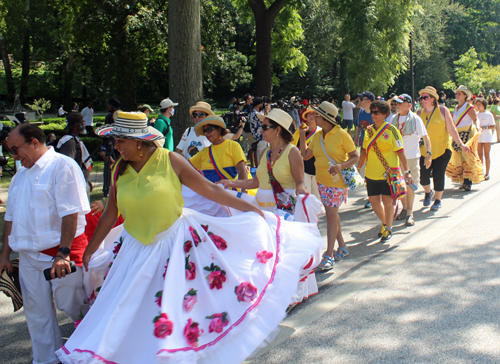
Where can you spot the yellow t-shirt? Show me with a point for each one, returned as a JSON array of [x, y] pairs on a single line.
[[338, 144], [389, 143], [281, 170], [228, 154], [149, 201], [436, 130]]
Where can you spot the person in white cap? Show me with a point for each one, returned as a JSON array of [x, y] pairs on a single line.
[[163, 122]]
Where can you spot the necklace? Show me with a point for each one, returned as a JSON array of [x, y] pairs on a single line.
[[277, 156]]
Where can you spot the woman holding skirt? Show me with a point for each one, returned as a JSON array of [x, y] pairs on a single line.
[[183, 287]]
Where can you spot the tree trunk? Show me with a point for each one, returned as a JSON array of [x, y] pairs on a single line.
[[184, 38], [342, 78], [67, 85], [264, 20], [25, 68], [11, 88]]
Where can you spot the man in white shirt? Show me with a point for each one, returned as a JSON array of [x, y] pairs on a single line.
[[88, 116], [412, 129], [61, 112], [44, 223], [394, 105], [347, 111]]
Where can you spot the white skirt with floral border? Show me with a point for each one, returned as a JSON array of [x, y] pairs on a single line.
[[207, 290]]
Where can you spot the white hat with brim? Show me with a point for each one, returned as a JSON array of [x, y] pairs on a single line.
[[166, 103], [201, 106], [429, 90], [328, 111], [130, 125], [280, 117], [465, 90], [209, 120]]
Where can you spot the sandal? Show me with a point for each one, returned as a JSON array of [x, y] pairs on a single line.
[[326, 264], [339, 255], [410, 221], [487, 178], [402, 215], [467, 188], [461, 187]]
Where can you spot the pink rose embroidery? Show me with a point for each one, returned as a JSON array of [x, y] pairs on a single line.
[[163, 326], [192, 332], [166, 267], [245, 292], [216, 277], [77, 322], [263, 256], [190, 299], [195, 235], [219, 242], [158, 296], [118, 246], [187, 246], [190, 269], [219, 321]]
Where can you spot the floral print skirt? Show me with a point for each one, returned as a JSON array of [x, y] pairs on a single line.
[[207, 290]]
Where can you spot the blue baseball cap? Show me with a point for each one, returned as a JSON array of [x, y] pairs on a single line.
[[403, 98]]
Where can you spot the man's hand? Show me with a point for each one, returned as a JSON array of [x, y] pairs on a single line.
[[60, 267], [5, 265], [428, 161]]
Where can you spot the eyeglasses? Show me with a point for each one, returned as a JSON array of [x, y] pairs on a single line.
[[394, 103], [199, 115], [209, 129], [376, 112], [14, 149], [266, 127], [424, 97]]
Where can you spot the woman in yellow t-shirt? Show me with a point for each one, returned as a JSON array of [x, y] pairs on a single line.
[[340, 147], [383, 140], [224, 159], [280, 175], [171, 273]]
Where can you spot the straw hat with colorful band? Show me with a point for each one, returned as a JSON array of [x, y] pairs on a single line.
[[201, 106], [429, 90], [465, 90], [328, 111], [10, 285], [308, 110], [209, 120], [280, 117], [130, 125]]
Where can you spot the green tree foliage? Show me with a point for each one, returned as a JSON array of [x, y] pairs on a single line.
[[466, 72], [40, 106]]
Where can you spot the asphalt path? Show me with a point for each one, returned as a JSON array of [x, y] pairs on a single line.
[[429, 295]]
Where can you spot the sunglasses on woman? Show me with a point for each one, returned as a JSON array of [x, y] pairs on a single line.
[[376, 112], [266, 127], [209, 129], [199, 115], [424, 97]]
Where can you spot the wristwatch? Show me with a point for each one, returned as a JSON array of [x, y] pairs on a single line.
[[430, 153], [408, 171], [65, 250]]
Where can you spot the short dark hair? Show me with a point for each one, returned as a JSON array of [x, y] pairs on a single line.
[[246, 97], [482, 101], [163, 110], [496, 101], [30, 132], [382, 106], [283, 133]]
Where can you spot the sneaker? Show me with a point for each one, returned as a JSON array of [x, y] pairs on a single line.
[[436, 206], [387, 235], [368, 205], [381, 232], [428, 198]]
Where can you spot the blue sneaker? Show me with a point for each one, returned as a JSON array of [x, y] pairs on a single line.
[[428, 198], [368, 205], [436, 205]]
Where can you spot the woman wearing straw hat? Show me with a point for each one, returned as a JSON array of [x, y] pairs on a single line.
[[309, 116], [280, 175], [331, 142], [440, 127], [465, 168], [224, 159], [183, 286], [191, 143]]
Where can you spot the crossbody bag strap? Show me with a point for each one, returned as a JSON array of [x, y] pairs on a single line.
[[376, 149], [379, 133], [324, 151]]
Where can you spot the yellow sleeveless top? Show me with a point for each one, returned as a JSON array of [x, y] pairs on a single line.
[[149, 201], [440, 139], [281, 170]]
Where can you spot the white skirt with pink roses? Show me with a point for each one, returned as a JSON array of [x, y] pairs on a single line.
[[207, 290]]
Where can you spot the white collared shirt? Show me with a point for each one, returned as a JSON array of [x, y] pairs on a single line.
[[39, 197]]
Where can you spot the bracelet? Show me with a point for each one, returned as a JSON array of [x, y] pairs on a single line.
[[104, 200]]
